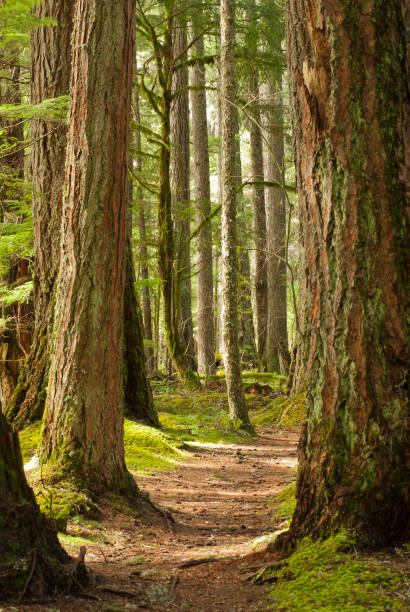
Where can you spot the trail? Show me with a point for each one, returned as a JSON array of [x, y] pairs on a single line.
[[218, 500]]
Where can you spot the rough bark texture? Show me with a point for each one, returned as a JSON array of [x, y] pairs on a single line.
[[143, 251], [50, 78], [166, 243], [32, 562], [236, 398], [206, 334], [139, 403], [246, 331], [180, 177], [259, 215], [277, 333], [350, 68], [83, 423]]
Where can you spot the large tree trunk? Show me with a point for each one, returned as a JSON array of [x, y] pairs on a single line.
[[206, 335], [236, 398], [351, 121], [277, 351], [32, 561], [50, 78], [83, 423], [180, 177]]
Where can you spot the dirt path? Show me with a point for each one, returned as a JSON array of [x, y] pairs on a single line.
[[219, 502]]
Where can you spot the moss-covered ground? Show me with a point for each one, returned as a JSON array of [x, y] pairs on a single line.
[[332, 576]]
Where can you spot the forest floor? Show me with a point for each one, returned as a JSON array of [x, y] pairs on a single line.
[[217, 499]]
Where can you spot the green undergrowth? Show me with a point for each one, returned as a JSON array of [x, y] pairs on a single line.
[[331, 576], [29, 438], [202, 416], [283, 412]]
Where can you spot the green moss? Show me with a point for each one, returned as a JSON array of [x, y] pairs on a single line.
[[283, 412], [293, 415], [73, 541], [284, 502], [331, 576], [148, 449], [29, 439]]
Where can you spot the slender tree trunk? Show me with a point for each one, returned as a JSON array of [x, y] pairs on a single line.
[[83, 423], [350, 102], [206, 335], [50, 77], [180, 177], [277, 351], [30, 553], [246, 337], [139, 403], [166, 245], [143, 251], [237, 406], [258, 193]]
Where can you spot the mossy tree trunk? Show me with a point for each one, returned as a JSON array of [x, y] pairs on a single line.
[[246, 328], [143, 251], [166, 243], [32, 561], [277, 351], [139, 403], [236, 397], [349, 65], [50, 78], [258, 191], [180, 180], [205, 309], [83, 422]]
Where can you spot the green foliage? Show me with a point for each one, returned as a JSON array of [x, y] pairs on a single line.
[[16, 21], [53, 109], [331, 576], [21, 293]]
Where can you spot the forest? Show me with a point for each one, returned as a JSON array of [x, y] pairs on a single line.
[[204, 305]]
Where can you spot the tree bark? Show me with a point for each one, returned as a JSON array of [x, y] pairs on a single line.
[[83, 423], [166, 244], [350, 112], [32, 561], [143, 251], [277, 333], [246, 337], [180, 178], [206, 333], [50, 78], [139, 403], [258, 194], [236, 397]]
